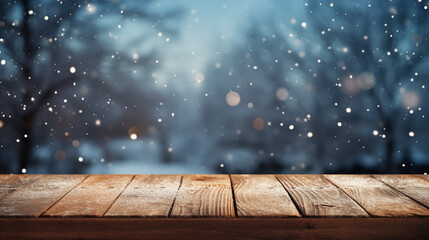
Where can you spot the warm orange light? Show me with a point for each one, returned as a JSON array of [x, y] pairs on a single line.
[[258, 123]]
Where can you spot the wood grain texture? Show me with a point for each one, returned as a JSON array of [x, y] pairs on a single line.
[[376, 197], [204, 196], [261, 196], [92, 198], [10, 183], [33, 199], [214, 228], [316, 197], [426, 177], [147, 196], [412, 186]]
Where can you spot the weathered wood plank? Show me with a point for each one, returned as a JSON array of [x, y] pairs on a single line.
[[261, 196], [412, 186], [316, 197], [10, 183], [147, 196], [376, 197], [426, 177], [92, 197], [204, 196], [33, 199]]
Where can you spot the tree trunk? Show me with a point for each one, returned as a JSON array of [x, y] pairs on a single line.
[[320, 153], [27, 118], [26, 146], [164, 146], [390, 147]]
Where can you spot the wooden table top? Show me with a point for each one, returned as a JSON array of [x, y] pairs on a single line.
[[214, 196]]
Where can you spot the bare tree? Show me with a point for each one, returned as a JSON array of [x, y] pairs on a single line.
[[381, 46], [335, 56], [56, 46]]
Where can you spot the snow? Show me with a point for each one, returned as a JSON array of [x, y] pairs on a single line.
[[233, 98], [139, 167], [251, 86]]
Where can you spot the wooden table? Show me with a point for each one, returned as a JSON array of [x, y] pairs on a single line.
[[214, 206]]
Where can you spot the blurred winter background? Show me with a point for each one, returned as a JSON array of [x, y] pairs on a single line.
[[214, 86]]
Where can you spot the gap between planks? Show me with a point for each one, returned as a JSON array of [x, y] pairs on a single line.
[[234, 201], [119, 195], [33, 199], [146, 196], [204, 196], [417, 189], [316, 197], [291, 198], [262, 196], [354, 200], [175, 196], [15, 182], [378, 198], [91, 198], [55, 202]]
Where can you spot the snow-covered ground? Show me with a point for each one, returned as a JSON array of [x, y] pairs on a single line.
[[139, 167], [142, 157]]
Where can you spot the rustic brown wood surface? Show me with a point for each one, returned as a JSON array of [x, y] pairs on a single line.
[[147, 196], [92, 197], [214, 228], [204, 196], [10, 183], [214, 207], [316, 197], [376, 197], [35, 198], [227, 196], [412, 186], [261, 196], [426, 177]]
